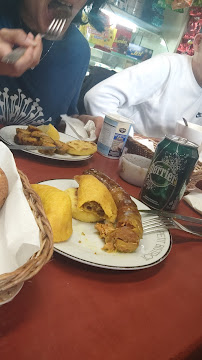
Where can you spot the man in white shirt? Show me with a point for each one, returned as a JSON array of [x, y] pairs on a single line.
[[155, 94]]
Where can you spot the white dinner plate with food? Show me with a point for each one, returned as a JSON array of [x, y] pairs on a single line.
[[85, 245], [7, 134]]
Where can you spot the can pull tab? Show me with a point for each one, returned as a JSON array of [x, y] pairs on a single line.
[[185, 121]]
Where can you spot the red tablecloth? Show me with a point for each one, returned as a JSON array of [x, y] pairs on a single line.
[[74, 311]]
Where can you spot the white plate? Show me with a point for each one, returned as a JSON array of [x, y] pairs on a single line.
[[85, 245], [7, 133]]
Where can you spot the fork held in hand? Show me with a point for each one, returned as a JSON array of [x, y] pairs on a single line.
[[55, 29], [53, 33]]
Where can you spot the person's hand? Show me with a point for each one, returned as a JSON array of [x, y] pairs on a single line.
[[31, 57], [98, 120], [61, 126]]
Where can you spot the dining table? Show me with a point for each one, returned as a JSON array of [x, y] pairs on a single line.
[[72, 310]]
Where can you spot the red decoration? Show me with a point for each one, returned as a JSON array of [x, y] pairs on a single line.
[[193, 28]]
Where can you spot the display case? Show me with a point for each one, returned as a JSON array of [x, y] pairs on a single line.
[[146, 40]]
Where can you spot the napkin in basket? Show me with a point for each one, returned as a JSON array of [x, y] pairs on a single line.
[[19, 237], [146, 142], [194, 199], [87, 132]]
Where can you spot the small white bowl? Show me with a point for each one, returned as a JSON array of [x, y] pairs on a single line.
[[133, 168], [192, 132]]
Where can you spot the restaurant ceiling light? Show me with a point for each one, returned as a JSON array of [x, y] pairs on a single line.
[[117, 19]]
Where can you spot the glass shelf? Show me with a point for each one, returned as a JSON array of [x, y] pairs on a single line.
[[116, 61], [140, 23], [146, 39], [111, 60]]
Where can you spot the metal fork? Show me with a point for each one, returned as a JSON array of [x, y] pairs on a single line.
[[156, 224], [53, 33]]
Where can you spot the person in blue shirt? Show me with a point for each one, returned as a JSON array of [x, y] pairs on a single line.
[[46, 81]]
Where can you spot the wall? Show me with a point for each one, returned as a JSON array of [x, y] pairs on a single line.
[[174, 26]]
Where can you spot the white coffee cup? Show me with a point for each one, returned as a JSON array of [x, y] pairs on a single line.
[[192, 132]]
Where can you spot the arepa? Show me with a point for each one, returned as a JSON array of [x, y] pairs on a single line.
[[81, 147]]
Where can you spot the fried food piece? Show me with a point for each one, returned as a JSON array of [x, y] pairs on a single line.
[[22, 136], [35, 137], [48, 151], [23, 131], [45, 136], [47, 141], [38, 134], [17, 138], [25, 137], [61, 147], [94, 197], [57, 206], [22, 139], [80, 214], [129, 231], [81, 147], [33, 128]]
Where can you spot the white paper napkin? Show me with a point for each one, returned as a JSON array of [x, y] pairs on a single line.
[[87, 132], [19, 233], [192, 132], [146, 142], [194, 199]]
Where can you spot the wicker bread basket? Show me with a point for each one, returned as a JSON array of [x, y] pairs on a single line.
[[11, 283], [135, 147]]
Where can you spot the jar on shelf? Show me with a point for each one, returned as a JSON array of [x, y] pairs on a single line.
[[130, 6], [135, 7], [121, 4]]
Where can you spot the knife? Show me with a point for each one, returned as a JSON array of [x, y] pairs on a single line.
[[29, 147], [172, 215]]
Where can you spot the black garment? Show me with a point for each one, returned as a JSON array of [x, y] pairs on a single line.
[[97, 74]]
